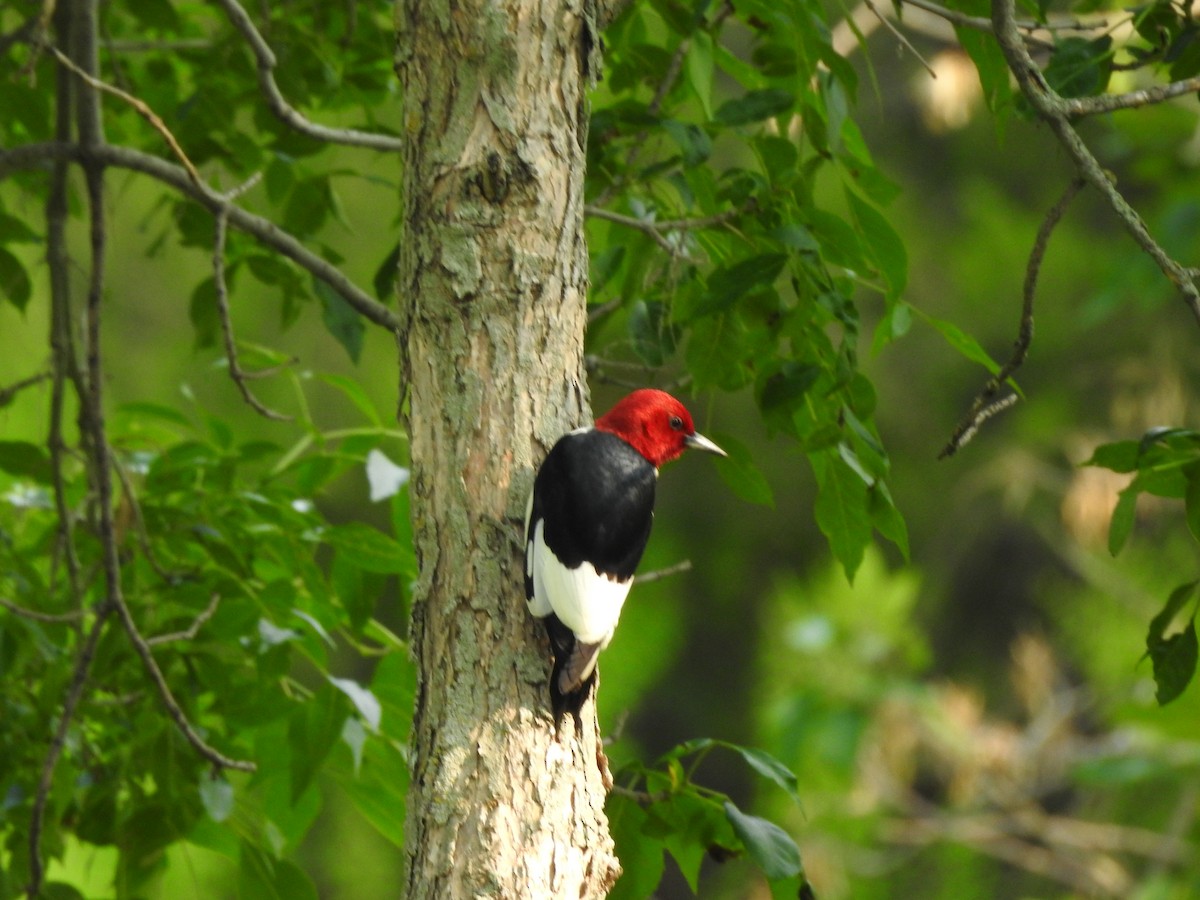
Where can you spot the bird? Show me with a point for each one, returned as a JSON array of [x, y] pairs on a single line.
[[587, 523]]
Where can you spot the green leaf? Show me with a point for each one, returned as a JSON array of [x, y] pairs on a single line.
[[882, 242], [340, 318], [641, 855], [355, 393], [755, 106], [204, 315], [58, 890], [1191, 499], [1173, 658], [689, 826], [364, 701], [26, 460], [1121, 456], [768, 844], [989, 61], [308, 205], [217, 796], [379, 788], [262, 878], [370, 549], [887, 518], [1175, 602], [768, 767], [384, 281], [313, 729], [1174, 661], [14, 280], [699, 70], [727, 284], [605, 265], [961, 341], [740, 473], [1080, 67], [651, 332], [841, 509], [1121, 524], [694, 142]]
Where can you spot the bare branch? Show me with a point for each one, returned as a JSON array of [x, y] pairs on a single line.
[[139, 107], [283, 110], [985, 405], [83, 666], [265, 231], [222, 291], [658, 231], [139, 522], [658, 574], [8, 394], [1053, 109], [887, 23], [192, 630], [36, 616], [664, 87], [1105, 103], [646, 226]]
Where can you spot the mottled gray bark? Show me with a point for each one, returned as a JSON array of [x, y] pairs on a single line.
[[493, 276]]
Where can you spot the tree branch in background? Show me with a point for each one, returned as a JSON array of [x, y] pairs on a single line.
[[35, 616], [222, 291], [1054, 110], [79, 676], [30, 156], [283, 110], [664, 87], [192, 630], [8, 394], [140, 107], [658, 230], [985, 405]]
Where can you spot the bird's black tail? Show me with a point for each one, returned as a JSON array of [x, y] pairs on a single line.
[[574, 672]]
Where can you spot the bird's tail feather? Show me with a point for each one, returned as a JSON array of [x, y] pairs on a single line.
[[574, 671]]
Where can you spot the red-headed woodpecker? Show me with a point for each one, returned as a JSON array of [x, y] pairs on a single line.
[[587, 524]]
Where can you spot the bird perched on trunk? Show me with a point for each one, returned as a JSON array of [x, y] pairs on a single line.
[[587, 524]]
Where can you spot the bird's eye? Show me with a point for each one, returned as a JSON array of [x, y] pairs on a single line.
[[676, 422]]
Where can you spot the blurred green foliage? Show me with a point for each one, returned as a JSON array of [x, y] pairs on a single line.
[[974, 723]]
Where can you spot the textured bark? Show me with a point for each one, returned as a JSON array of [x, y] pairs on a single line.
[[493, 275]]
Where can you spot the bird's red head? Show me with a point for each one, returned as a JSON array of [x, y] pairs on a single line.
[[657, 425]]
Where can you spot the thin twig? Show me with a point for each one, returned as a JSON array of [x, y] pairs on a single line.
[[283, 110], [1054, 110], [192, 630], [36, 616], [674, 67], [31, 156], [646, 226], [83, 666], [985, 406], [222, 292], [79, 21], [139, 523], [1105, 103], [658, 230], [94, 423], [899, 35], [658, 574], [139, 107], [7, 394]]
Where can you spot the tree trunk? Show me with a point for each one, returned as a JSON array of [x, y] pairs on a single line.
[[493, 276]]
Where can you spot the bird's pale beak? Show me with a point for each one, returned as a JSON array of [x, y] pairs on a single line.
[[700, 442]]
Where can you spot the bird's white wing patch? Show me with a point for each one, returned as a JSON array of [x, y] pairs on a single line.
[[584, 600]]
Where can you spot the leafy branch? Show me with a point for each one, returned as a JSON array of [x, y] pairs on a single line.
[[35, 156]]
